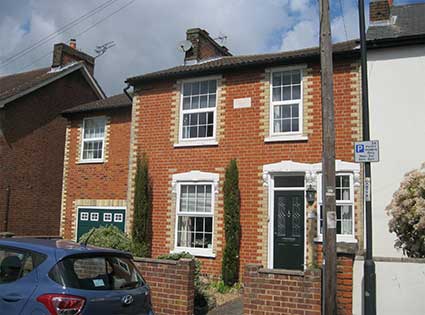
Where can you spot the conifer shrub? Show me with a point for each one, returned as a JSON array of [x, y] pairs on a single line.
[[230, 262]]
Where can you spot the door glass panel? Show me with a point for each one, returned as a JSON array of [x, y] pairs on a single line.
[[281, 216], [296, 217], [288, 181]]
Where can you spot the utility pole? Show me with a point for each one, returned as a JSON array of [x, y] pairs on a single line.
[[328, 163], [369, 283]]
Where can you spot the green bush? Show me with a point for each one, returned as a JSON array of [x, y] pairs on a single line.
[[142, 210], [407, 212], [230, 263], [109, 237]]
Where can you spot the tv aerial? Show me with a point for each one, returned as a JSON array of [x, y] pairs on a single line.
[[184, 45], [101, 49]]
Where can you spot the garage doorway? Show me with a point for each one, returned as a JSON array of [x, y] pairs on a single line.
[[94, 217]]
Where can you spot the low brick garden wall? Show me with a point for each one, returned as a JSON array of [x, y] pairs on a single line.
[[287, 292], [268, 291], [172, 284]]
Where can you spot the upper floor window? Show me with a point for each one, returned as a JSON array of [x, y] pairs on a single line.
[[93, 139], [344, 194], [286, 102], [198, 110]]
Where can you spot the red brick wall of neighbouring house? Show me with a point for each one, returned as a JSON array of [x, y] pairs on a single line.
[[172, 285], [241, 139], [96, 181], [31, 159]]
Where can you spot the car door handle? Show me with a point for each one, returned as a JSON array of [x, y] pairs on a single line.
[[12, 298]]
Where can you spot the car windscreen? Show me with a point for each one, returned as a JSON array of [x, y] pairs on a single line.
[[97, 273]]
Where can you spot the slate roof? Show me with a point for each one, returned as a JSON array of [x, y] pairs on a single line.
[[14, 85], [232, 62], [113, 102], [409, 21]]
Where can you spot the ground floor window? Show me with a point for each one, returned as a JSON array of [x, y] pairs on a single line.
[[344, 194], [195, 216]]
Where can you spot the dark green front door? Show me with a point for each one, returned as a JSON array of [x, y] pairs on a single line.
[[289, 230], [89, 218]]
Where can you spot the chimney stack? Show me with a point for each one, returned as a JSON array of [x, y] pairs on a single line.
[[65, 54], [380, 10], [73, 43], [203, 46]]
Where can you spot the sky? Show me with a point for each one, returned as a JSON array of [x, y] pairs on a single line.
[[146, 33]]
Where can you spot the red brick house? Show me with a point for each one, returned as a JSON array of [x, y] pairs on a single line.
[[191, 120], [32, 134], [96, 165]]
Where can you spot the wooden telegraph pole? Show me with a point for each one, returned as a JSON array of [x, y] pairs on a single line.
[[328, 164]]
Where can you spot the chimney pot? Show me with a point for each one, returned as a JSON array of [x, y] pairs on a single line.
[[73, 43]]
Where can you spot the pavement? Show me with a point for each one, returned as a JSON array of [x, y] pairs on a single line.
[[234, 307]]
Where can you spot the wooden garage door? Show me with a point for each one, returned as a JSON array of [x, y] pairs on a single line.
[[89, 218]]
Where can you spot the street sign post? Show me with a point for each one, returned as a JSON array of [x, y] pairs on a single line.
[[366, 151]]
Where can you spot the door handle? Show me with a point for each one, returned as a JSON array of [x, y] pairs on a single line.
[[12, 298]]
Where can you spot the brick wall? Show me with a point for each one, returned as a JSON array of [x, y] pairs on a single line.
[[32, 154], [172, 284], [95, 184], [270, 292], [241, 136]]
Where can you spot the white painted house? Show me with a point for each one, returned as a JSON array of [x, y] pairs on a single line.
[[396, 72]]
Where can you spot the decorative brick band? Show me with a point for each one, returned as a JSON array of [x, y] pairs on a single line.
[[172, 284]]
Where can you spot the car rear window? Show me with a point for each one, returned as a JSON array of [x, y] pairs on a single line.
[[97, 273]]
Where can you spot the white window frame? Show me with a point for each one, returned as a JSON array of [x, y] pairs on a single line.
[[120, 215], [94, 214], [84, 216], [198, 141], [203, 252], [101, 160], [104, 217], [348, 238], [195, 178], [292, 135]]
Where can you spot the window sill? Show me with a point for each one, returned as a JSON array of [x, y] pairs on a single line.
[[205, 143], [285, 138], [195, 252], [91, 162], [350, 240]]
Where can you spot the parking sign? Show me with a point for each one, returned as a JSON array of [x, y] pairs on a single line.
[[366, 151]]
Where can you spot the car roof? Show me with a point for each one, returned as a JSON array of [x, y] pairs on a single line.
[[58, 247]]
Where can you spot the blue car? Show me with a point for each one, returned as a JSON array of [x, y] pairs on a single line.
[[57, 277]]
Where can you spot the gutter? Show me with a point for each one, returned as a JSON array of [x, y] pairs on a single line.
[[396, 41]]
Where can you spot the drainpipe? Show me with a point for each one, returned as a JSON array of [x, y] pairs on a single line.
[[6, 218], [125, 90]]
